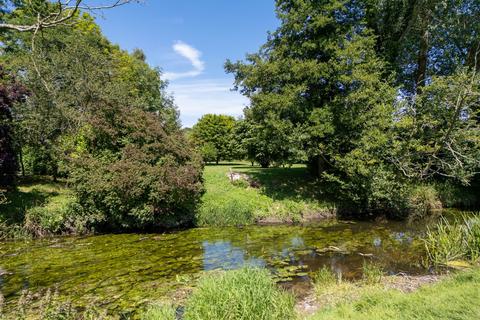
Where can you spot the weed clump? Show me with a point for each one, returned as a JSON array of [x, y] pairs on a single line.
[[248, 293], [451, 241]]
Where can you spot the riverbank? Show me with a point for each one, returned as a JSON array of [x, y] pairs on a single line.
[[41, 207], [252, 294], [241, 194], [455, 297]]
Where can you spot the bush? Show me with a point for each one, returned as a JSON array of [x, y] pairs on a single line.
[[423, 201], [247, 293], [209, 152], [141, 176], [66, 218]]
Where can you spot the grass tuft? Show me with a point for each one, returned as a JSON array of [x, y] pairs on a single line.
[[159, 312], [451, 241], [372, 273], [248, 293]]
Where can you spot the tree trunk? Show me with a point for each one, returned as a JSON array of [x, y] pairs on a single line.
[[422, 62], [22, 166], [473, 56]]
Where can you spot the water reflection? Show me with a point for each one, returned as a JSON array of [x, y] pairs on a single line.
[[122, 270], [222, 255]]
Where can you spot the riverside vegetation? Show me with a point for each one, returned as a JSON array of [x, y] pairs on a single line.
[[363, 110]]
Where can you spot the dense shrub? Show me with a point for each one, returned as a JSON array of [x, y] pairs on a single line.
[[135, 173], [247, 293], [65, 218]]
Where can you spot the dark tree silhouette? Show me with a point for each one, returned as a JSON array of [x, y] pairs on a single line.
[[10, 93]]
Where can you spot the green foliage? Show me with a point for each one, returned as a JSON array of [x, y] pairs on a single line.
[[438, 133], [324, 278], [209, 152], [452, 241], [454, 298], [354, 89], [159, 312], [240, 294], [214, 134], [101, 117], [371, 273], [150, 180], [423, 202]]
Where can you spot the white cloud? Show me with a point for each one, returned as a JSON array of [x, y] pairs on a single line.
[[196, 98], [191, 54]]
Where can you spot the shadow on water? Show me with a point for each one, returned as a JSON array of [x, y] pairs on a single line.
[[123, 271]]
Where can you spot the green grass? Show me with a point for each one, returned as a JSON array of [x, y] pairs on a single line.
[[35, 203], [243, 294], [283, 195], [454, 298], [159, 312]]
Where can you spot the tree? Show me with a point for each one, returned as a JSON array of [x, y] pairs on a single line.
[[11, 92], [216, 132], [439, 133], [101, 117], [320, 81], [43, 14]]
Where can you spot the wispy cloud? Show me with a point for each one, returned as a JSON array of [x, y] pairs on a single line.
[[192, 55], [198, 97]]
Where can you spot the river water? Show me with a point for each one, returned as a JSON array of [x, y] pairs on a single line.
[[123, 271]]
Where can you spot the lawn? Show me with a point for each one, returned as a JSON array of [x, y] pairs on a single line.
[[280, 195]]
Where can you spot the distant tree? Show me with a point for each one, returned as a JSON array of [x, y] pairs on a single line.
[[216, 131], [209, 152]]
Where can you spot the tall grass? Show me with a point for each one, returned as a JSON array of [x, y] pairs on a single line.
[[372, 273], [248, 293], [449, 241]]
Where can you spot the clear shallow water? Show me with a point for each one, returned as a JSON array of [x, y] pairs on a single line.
[[123, 271]]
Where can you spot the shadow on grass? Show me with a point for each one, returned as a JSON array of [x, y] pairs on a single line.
[[286, 183], [17, 202]]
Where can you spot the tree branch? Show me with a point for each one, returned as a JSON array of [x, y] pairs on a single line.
[[65, 11]]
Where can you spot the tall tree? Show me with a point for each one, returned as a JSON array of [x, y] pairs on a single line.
[[214, 134]]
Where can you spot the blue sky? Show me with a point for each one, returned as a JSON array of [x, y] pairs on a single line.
[[190, 41]]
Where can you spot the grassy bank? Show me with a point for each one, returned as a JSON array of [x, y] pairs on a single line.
[[249, 294], [272, 195], [36, 207], [457, 297]]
